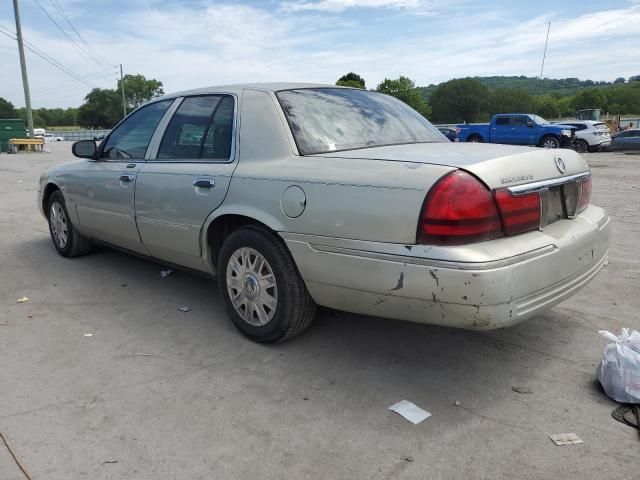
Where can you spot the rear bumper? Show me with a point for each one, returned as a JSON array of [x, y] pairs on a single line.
[[481, 295]]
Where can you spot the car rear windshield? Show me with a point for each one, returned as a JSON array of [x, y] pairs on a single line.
[[331, 119]]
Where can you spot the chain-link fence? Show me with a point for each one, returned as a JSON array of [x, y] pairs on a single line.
[[75, 135]]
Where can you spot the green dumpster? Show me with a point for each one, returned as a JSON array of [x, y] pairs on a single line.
[[11, 128]]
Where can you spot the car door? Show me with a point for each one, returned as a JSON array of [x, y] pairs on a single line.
[[519, 132], [620, 141], [186, 178], [633, 143], [103, 189], [500, 130]]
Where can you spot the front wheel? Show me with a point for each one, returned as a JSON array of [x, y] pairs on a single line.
[[264, 293], [550, 142]]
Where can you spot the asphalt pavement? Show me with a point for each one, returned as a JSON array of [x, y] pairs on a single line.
[[102, 377]]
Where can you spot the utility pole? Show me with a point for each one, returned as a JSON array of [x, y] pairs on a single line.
[[124, 102], [544, 56], [23, 66]]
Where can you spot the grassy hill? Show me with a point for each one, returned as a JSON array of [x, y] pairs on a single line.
[[551, 86]]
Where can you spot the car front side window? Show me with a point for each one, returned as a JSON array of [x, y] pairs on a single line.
[[129, 141]]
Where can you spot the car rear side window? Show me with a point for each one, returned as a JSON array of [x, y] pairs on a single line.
[[326, 120], [201, 129], [502, 121], [131, 138]]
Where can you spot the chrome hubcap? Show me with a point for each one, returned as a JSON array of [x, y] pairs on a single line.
[[549, 143], [59, 227], [252, 286]]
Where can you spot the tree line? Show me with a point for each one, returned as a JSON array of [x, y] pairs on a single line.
[[470, 100], [458, 100], [102, 107]]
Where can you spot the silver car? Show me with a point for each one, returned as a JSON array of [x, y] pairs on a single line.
[[297, 195]]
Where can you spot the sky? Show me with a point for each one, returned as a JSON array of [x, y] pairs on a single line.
[[196, 43]]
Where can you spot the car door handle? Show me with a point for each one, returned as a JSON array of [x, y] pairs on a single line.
[[204, 182], [126, 178]]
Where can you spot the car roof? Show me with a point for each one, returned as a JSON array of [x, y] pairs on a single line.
[[239, 88]]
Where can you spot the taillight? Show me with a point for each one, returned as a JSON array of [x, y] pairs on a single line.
[[520, 213], [458, 209], [585, 194]]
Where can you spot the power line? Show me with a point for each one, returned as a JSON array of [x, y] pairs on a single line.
[[84, 55], [35, 50], [89, 48]]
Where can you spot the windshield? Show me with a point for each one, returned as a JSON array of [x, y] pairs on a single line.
[[539, 120], [330, 119]]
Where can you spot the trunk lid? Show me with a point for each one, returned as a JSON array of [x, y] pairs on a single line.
[[496, 165]]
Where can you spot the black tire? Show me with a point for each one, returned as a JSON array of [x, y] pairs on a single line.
[[548, 140], [75, 244], [582, 146], [475, 139], [294, 309]]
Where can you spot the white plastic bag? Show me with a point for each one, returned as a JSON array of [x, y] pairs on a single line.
[[619, 369]]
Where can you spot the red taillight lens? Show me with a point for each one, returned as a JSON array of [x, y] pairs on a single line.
[[520, 213], [458, 209], [585, 195]]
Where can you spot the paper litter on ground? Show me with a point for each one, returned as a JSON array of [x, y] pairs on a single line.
[[23, 300], [565, 439], [410, 411], [88, 334], [184, 308], [166, 273]]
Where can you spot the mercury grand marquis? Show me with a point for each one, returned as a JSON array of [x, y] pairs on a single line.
[[297, 195]]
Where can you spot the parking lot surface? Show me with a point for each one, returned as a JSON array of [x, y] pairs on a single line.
[[155, 393]]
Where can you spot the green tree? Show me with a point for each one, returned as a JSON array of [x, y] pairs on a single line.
[[547, 106], [404, 89], [623, 98], [102, 108], [506, 100], [619, 80], [138, 90], [462, 99], [7, 109], [589, 98], [351, 80]]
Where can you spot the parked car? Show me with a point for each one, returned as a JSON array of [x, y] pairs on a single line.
[[627, 140], [518, 129], [332, 196], [50, 137], [590, 135], [450, 132]]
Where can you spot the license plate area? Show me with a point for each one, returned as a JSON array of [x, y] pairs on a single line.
[[559, 202]]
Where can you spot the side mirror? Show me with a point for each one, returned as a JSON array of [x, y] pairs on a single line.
[[85, 149], [530, 124]]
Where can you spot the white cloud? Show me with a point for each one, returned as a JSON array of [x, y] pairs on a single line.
[[342, 5], [234, 43]]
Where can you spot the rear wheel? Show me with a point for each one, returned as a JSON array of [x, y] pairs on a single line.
[[475, 139], [66, 239], [264, 293], [582, 146], [550, 142]]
